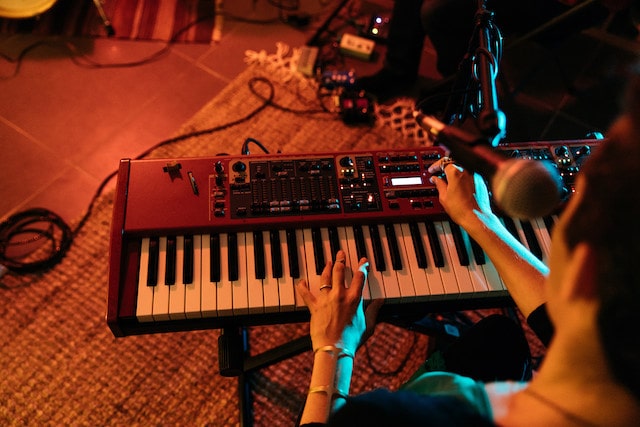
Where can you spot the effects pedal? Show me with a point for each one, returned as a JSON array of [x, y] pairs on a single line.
[[357, 47]]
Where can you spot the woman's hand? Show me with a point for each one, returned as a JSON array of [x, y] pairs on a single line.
[[461, 193], [337, 315]]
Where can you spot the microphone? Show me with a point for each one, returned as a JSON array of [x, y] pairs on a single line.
[[521, 188]]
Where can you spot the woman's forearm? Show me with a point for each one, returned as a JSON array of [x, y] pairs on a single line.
[[329, 385], [522, 273]]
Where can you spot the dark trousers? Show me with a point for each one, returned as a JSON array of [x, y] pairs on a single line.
[[493, 349]]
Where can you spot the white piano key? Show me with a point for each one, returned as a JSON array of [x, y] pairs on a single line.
[[405, 279], [209, 305], [374, 278], [255, 297], [543, 236], [177, 290], [193, 291], [389, 278], [224, 291], [463, 283], [435, 277], [161, 291], [348, 245], [286, 282], [418, 275], [301, 249], [476, 272], [269, 285], [240, 287], [326, 245], [312, 277], [144, 302]]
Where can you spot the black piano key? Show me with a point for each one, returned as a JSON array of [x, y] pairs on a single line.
[[258, 255], [214, 257], [170, 268], [532, 240], [232, 242], [276, 255], [478, 253], [421, 256], [376, 243], [187, 260], [394, 250], [511, 227], [318, 253], [361, 246], [458, 240], [152, 268], [436, 249], [334, 241], [292, 254], [549, 223]]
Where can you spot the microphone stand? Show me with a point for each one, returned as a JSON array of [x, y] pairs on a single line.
[[476, 76]]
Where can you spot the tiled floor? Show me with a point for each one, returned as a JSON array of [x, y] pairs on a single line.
[[63, 128]]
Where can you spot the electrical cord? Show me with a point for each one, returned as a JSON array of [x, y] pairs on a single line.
[[32, 230]]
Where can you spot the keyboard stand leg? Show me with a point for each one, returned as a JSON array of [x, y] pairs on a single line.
[[234, 360]]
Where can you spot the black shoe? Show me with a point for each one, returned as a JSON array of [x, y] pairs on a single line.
[[386, 84]]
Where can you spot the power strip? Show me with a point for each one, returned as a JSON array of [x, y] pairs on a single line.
[[358, 47]]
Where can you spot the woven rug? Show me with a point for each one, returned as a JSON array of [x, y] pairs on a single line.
[[60, 364]]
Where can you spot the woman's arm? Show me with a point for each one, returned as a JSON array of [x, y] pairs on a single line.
[[337, 326], [465, 198]]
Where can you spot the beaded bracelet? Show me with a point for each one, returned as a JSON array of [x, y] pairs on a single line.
[[334, 351], [328, 390]]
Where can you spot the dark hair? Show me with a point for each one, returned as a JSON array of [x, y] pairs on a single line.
[[608, 218]]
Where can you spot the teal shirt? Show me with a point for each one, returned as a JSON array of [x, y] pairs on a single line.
[[438, 383]]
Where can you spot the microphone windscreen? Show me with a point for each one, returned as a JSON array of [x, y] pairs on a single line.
[[527, 189]]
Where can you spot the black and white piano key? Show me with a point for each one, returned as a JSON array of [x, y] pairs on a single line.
[[531, 238], [300, 253], [374, 277], [258, 254], [450, 252], [211, 274], [358, 237], [215, 261], [435, 272], [276, 251], [177, 289], [461, 250], [144, 297], [410, 244], [170, 261], [292, 254], [286, 283], [434, 244], [418, 246], [254, 288], [389, 277], [319, 259], [224, 293], [240, 285], [483, 277], [188, 260], [193, 289], [160, 306], [153, 244]]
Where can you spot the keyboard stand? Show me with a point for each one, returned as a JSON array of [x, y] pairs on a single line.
[[234, 361]]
